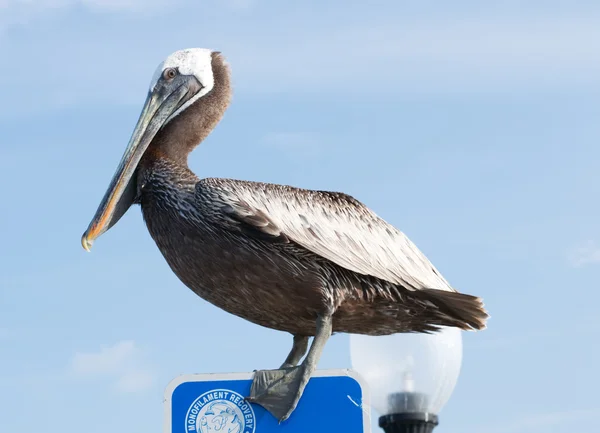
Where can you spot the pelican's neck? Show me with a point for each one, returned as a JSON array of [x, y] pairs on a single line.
[[161, 177], [186, 131]]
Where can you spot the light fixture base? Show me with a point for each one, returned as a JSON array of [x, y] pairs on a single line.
[[410, 422]]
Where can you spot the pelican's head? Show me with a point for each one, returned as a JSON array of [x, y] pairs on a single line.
[[181, 81]]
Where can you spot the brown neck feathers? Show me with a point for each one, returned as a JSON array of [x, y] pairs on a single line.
[[182, 134]]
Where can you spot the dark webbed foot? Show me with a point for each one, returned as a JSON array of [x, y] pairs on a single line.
[[279, 391]]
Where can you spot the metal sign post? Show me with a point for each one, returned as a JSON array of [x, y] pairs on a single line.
[[333, 401]]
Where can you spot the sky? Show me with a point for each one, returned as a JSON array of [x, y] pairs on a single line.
[[471, 127]]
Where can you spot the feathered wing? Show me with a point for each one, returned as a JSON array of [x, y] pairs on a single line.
[[332, 225]]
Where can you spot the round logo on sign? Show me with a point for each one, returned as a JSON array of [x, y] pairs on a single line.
[[222, 411]]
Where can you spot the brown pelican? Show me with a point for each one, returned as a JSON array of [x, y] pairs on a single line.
[[310, 263]]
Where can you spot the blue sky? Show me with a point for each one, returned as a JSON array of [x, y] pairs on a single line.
[[472, 128]]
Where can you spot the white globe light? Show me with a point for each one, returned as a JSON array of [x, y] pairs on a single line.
[[426, 366]]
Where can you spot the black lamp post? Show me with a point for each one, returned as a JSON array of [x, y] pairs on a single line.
[[411, 376], [408, 414]]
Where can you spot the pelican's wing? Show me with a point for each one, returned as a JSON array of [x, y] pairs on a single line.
[[332, 225]]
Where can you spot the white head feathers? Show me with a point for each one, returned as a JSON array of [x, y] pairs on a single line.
[[191, 61]]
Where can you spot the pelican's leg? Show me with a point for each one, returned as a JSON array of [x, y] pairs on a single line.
[[298, 351], [279, 391]]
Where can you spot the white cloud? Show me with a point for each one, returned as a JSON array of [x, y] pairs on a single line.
[[122, 362], [585, 254], [109, 359], [134, 381]]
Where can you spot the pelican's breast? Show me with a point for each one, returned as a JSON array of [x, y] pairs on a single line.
[[259, 281]]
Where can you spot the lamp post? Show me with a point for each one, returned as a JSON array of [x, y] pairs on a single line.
[[411, 376]]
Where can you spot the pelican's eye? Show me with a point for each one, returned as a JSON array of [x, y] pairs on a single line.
[[169, 73]]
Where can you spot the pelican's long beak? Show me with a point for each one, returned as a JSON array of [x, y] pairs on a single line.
[[160, 105]]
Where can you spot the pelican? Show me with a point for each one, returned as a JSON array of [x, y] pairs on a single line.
[[310, 263]]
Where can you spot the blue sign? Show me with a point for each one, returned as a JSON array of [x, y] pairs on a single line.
[[333, 401]]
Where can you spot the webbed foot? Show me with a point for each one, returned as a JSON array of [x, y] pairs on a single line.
[[278, 391]]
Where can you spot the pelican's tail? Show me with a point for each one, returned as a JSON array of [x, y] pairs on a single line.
[[456, 309]]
